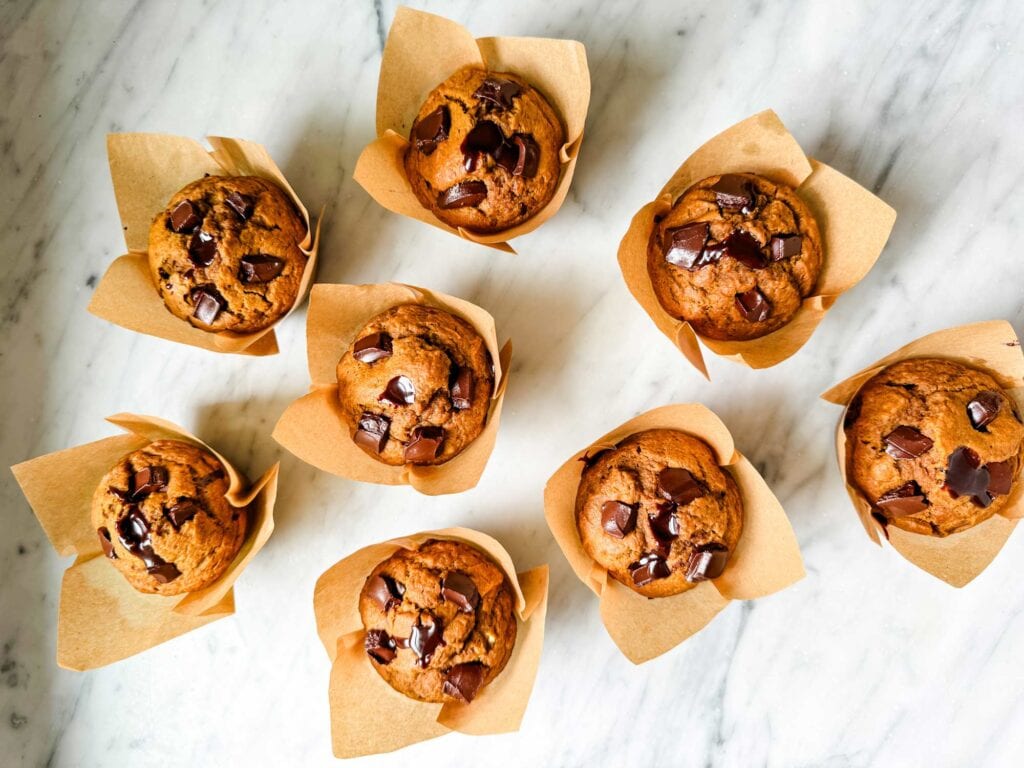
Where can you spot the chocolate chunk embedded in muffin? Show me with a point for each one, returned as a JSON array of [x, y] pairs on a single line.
[[440, 622], [658, 512], [934, 445], [415, 386], [735, 256], [225, 254], [484, 151], [163, 520]]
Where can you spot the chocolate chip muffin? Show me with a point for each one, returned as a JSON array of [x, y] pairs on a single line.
[[415, 385], [225, 254], [439, 620], [162, 518], [484, 152], [658, 512], [735, 256], [934, 446]]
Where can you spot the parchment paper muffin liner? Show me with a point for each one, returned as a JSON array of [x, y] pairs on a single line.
[[956, 559], [422, 51], [147, 169], [855, 226], [101, 618], [314, 427], [767, 557], [368, 716]]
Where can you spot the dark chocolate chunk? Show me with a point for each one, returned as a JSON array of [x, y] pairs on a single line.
[[753, 305], [133, 533], [497, 93], [465, 194], [618, 518], [882, 520], [208, 304], [125, 496], [372, 431], [184, 218], [425, 444], [462, 681], [734, 193], [520, 156], [459, 589], [966, 477], [484, 138], [686, 246], [707, 562], [372, 348], [649, 567], [425, 639], [906, 443], [744, 247], [163, 571], [202, 249], [589, 459], [148, 480], [259, 268], [379, 646], [181, 512], [385, 591], [240, 204], [432, 130], [105, 543], [664, 523], [1000, 477], [399, 391], [462, 389], [678, 485], [983, 409], [785, 246], [908, 499]]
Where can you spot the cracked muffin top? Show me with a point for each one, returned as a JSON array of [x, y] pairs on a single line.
[[933, 445], [225, 254], [735, 256], [163, 520], [440, 621], [484, 151]]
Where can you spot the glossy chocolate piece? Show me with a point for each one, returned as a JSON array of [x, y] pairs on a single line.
[[105, 543], [484, 138], [208, 304], [465, 194], [148, 480], [399, 391], [240, 204], [425, 639], [618, 518], [462, 389], [785, 246], [520, 156], [372, 348], [462, 681], [1000, 477], [379, 646], [458, 589], [649, 567], [707, 562], [184, 218], [181, 512], [679, 485], [133, 533], [202, 249], [432, 130], [734, 193], [372, 431], [983, 409], [744, 247], [425, 444], [966, 477], [497, 93], [385, 591], [753, 306], [685, 246], [664, 523], [908, 499], [259, 268], [907, 443]]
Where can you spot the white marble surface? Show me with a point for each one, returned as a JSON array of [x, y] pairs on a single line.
[[865, 662]]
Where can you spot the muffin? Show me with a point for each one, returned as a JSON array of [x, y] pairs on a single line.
[[225, 254], [163, 520], [484, 151], [658, 513], [415, 385], [439, 620], [735, 256], [933, 445]]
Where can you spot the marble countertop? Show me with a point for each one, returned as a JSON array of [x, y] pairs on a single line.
[[867, 661]]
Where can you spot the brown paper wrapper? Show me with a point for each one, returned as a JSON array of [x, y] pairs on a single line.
[[361, 701], [101, 618], [766, 559], [147, 169], [422, 50], [957, 559], [854, 227], [314, 428]]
